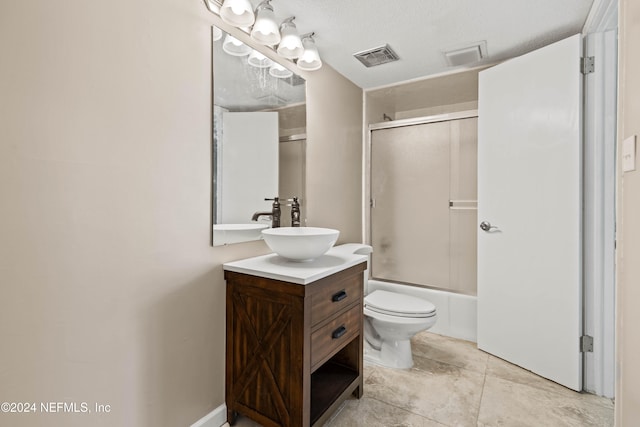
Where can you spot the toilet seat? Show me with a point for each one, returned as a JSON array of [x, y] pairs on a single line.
[[401, 305]]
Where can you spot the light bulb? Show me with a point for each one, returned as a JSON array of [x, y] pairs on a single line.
[[257, 59], [238, 13], [237, 9], [235, 47], [279, 71], [310, 59], [290, 46], [265, 31]]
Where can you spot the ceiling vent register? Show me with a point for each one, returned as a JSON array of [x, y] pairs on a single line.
[[376, 56], [294, 80], [466, 55]]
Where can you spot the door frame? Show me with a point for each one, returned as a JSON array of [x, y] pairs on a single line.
[[600, 133]]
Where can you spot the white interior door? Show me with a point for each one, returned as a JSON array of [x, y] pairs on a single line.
[[529, 190]]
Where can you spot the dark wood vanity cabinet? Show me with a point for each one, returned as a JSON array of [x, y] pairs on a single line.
[[294, 352]]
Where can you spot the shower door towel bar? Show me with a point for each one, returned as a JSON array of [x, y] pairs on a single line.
[[453, 203]]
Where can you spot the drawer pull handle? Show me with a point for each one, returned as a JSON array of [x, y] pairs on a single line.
[[339, 296], [339, 332]]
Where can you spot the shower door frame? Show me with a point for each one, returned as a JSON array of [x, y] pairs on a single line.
[[367, 201]]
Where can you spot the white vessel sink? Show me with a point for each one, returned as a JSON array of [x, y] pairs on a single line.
[[300, 243], [236, 233]]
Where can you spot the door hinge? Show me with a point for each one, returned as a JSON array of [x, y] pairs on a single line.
[[372, 203], [586, 344], [587, 64]]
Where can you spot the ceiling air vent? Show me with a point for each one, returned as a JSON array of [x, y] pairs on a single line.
[[377, 56], [466, 55], [294, 80], [272, 99]]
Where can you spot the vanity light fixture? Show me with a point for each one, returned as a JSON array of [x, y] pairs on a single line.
[[278, 71], [257, 59], [310, 59], [290, 46], [213, 6], [263, 28], [235, 47], [238, 13], [265, 31]]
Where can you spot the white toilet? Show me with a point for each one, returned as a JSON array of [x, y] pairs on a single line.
[[391, 319]]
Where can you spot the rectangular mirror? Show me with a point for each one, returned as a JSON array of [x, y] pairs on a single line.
[[259, 142]]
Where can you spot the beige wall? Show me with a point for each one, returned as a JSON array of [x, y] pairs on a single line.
[[292, 120], [334, 154], [440, 94], [628, 287], [110, 290]]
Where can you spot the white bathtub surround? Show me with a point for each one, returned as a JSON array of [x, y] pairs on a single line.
[[457, 313]]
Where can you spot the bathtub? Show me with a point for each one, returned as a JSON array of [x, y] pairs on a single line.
[[457, 313]]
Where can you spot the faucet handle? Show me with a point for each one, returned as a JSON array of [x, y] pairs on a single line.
[[275, 199], [295, 212]]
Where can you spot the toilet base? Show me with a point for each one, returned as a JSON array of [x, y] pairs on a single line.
[[392, 354]]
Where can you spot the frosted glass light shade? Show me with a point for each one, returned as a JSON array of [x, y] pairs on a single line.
[[257, 59], [310, 59], [290, 46], [238, 13], [279, 71], [217, 33], [213, 6], [265, 30], [235, 47]]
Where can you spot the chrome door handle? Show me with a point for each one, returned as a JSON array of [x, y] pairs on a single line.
[[486, 226]]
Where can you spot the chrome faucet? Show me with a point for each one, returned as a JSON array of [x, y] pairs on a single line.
[[274, 214], [257, 215]]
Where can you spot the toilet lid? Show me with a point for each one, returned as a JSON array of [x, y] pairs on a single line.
[[396, 304]]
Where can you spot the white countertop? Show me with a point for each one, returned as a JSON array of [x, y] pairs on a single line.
[[273, 266]]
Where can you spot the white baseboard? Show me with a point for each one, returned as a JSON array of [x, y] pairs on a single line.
[[215, 418]]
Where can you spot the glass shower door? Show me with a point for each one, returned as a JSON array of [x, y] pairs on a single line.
[[423, 180], [291, 176], [463, 206]]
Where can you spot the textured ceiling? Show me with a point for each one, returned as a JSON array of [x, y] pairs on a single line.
[[420, 30]]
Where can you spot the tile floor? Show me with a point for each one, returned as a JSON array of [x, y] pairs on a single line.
[[453, 383]]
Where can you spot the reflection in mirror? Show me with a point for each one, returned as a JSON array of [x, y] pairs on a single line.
[[259, 142]]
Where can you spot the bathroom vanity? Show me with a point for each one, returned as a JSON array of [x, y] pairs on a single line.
[[294, 337]]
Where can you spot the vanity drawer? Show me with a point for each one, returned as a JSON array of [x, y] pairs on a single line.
[[334, 297], [332, 336]]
